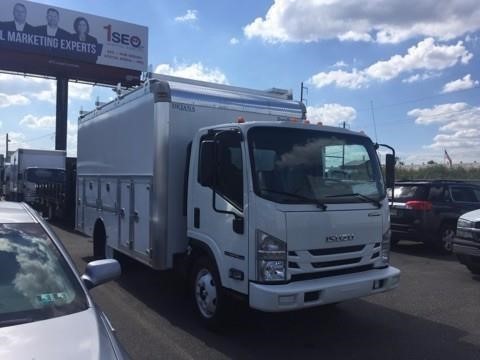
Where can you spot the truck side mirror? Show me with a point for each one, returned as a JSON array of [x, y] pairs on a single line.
[[207, 168], [390, 170]]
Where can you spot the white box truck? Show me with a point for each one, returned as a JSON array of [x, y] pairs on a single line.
[[232, 186], [30, 167]]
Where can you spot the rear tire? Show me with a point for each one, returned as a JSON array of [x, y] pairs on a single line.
[[474, 269], [207, 294], [394, 240], [446, 236], [100, 248]]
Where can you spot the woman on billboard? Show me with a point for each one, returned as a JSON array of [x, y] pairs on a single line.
[[82, 29]]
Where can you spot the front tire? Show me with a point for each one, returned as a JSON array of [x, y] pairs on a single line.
[[207, 293]]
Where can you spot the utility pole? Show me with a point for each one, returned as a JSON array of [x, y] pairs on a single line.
[[7, 140]]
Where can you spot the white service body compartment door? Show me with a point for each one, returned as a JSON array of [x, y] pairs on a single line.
[[141, 217], [124, 213]]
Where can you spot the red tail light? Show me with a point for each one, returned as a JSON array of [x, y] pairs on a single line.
[[419, 205]]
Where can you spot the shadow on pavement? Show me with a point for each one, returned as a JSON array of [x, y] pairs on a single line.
[[421, 250], [352, 330]]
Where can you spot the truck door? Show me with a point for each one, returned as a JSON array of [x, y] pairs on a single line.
[[216, 219]]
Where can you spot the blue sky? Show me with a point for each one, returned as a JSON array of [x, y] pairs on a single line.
[[417, 66]]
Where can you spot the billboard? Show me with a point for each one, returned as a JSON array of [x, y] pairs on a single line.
[[54, 41]]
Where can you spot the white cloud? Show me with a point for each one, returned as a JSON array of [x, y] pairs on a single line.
[[80, 91], [344, 79], [196, 71], [421, 77], [386, 21], [190, 16], [459, 130], [439, 113], [331, 114], [340, 64], [461, 84], [13, 100], [234, 41], [355, 36], [426, 55], [34, 88], [36, 122]]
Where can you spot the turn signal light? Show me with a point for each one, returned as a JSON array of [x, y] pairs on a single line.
[[419, 205]]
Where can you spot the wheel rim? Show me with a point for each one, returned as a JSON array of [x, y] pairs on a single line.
[[447, 238], [206, 293]]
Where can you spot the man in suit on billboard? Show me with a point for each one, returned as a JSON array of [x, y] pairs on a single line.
[[19, 22], [52, 29]]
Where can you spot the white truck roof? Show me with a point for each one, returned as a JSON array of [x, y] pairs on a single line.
[[194, 92]]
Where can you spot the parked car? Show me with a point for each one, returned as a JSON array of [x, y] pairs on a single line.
[[45, 309], [466, 244], [428, 211]]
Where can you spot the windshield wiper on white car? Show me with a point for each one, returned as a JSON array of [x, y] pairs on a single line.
[[360, 196], [319, 204]]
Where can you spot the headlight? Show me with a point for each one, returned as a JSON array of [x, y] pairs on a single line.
[[271, 258], [385, 250]]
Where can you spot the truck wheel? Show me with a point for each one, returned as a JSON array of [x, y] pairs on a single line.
[[394, 239], [101, 250], [474, 268], [447, 234], [207, 293]]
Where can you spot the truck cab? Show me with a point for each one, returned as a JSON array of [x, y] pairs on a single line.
[[294, 215]]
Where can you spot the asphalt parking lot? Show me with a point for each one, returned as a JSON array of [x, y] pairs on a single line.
[[434, 314]]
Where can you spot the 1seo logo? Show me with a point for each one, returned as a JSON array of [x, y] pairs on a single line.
[[124, 39]]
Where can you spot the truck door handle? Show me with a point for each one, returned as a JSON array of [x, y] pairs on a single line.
[[122, 213], [136, 217]]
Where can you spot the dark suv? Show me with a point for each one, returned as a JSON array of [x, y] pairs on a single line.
[[428, 211]]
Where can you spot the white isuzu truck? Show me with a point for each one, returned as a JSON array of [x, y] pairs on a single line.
[[233, 187]]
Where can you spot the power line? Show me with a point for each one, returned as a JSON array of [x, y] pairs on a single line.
[[32, 139]]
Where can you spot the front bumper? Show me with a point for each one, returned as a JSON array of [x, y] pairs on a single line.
[[309, 293], [466, 247]]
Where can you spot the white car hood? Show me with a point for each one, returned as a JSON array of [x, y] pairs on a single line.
[[77, 336], [472, 215]]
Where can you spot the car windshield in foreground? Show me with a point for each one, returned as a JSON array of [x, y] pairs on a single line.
[[36, 283], [296, 165]]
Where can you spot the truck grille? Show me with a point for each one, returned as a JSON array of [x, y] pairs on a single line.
[[317, 263]]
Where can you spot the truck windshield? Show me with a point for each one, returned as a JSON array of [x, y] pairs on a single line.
[[40, 176], [313, 166]]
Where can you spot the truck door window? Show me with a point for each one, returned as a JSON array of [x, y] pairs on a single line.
[[230, 169]]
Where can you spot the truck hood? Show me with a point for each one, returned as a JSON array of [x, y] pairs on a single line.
[[81, 335], [333, 229]]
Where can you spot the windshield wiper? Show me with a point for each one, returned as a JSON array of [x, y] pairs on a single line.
[[360, 196], [319, 204], [12, 322]]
